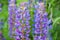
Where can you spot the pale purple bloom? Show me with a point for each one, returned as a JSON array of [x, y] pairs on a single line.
[[11, 18], [22, 22], [40, 22]]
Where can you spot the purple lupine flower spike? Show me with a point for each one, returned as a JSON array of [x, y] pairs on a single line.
[[22, 22], [26, 18], [11, 19], [40, 22]]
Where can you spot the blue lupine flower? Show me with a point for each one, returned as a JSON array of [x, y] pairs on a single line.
[[40, 23], [22, 22], [11, 19], [49, 28]]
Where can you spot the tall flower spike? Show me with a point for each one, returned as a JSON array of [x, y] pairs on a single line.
[[18, 31], [25, 21], [40, 22], [22, 22], [27, 25], [11, 19]]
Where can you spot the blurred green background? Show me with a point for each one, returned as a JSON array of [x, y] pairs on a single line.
[[52, 7]]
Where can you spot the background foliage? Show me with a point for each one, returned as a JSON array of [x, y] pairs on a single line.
[[52, 7]]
